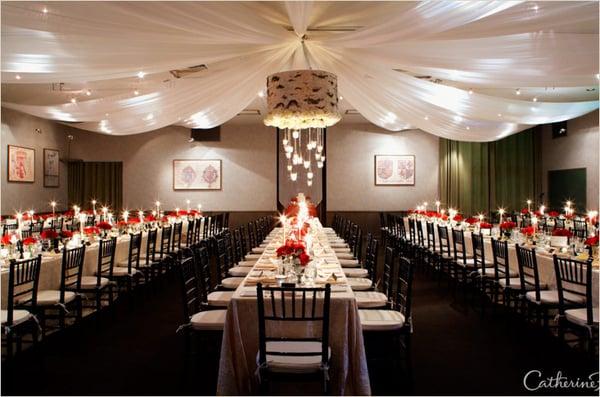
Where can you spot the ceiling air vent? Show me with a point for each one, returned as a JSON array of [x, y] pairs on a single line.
[[181, 73], [249, 112], [352, 111]]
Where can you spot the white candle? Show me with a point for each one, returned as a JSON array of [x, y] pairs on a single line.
[[157, 207], [177, 212], [188, 205], [94, 207], [425, 205], [19, 225], [566, 211], [82, 218], [528, 205], [542, 208], [104, 212], [481, 218], [125, 215], [53, 205], [437, 206], [501, 212], [141, 215]]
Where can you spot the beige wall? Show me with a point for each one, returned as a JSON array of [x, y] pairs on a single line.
[[350, 168], [248, 166], [19, 129], [579, 149]]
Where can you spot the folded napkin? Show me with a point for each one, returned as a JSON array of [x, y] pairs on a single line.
[[330, 280], [264, 280], [265, 266]]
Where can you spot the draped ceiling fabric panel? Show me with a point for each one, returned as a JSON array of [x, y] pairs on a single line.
[[377, 54]]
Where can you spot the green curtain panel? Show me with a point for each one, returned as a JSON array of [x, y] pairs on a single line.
[[102, 181], [481, 176]]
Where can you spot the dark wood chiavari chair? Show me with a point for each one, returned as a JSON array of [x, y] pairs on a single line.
[[100, 284], [129, 271], [446, 264], [506, 280], [19, 318], [576, 308], [279, 353], [530, 282], [189, 233]]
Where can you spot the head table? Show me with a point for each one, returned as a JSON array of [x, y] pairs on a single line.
[[348, 366]]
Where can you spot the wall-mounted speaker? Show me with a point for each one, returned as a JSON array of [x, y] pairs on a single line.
[[206, 135]]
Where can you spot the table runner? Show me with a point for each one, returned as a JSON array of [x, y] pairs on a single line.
[[348, 366]]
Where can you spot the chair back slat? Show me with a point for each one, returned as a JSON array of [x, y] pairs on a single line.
[[23, 280], [528, 270], [72, 269], [575, 278]]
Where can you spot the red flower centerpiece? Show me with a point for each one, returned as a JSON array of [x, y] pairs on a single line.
[[49, 235], [471, 220], [91, 230], [562, 233], [507, 226], [553, 214], [295, 252], [6, 239], [29, 241], [485, 225], [66, 234], [457, 218], [591, 241], [527, 231]]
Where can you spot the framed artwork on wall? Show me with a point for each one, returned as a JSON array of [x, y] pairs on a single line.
[[21, 164], [197, 175], [51, 168], [394, 170]]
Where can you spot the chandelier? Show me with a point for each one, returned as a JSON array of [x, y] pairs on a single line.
[[302, 103]]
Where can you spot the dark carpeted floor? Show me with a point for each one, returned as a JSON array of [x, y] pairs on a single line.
[[135, 350]]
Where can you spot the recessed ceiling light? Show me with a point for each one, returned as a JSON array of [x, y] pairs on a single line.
[[141, 75], [18, 77], [45, 10], [470, 91], [341, 97], [261, 93], [499, 114], [518, 91], [468, 128], [426, 117], [73, 100], [534, 99], [457, 118], [88, 93], [136, 92]]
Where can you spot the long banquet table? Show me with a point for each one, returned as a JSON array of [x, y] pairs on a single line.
[[50, 269], [348, 367], [545, 260]]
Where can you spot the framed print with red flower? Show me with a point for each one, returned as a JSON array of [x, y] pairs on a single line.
[[21, 164], [394, 170], [197, 175]]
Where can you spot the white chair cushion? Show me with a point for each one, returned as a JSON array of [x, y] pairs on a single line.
[[121, 271], [258, 250], [339, 246], [515, 283], [220, 298], [264, 245], [349, 262], [380, 320], [344, 255], [370, 299], [19, 316], [247, 263], [294, 364], [239, 271], [209, 320], [359, 284], [231, 282], [358, 272], [342, 250], [52, 297], [550, 297], [489, 272], [579, 316], [90, 282]]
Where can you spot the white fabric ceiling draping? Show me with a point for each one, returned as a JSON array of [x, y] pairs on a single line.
[[376, 49]]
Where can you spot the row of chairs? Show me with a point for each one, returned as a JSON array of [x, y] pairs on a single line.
[[28, 308], [444, 251]]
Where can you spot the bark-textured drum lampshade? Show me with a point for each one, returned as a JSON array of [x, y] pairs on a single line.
[[302, 99]]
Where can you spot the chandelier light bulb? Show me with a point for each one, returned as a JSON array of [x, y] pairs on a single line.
[[285, 141], [293, 176], [534, 99], [317, 156], [288, 155], [306, 164], [309, 182], [320, 148], [295, 134], [310, 175], [323, 158], [290, 167], [320, 164]]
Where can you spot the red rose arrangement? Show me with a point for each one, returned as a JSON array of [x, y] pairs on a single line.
[[6, 239], [457, 218], [150, 218], [591, 241], [91, 230], [69, 214], [294, 249], [29, 241], [508, 225], [528, 231], [66, 234], [524, 211], [104, 226], [49, 235], [471, 220], [553, 214], [562, 233], [121, 224], [133, 221], [485, 225]]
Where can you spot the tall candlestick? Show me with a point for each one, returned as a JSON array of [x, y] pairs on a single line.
[[82, 219], [94, 207], [425, 205], [141, 215], [542, 208], [188, 205], [501, 212], [528, 205], [105, 212], [53, 205], [437, 206], [19, 225], [177, 212], [157, 207], [125, 215]]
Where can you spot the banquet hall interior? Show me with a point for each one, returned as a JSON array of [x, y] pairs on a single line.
[[299, 198]]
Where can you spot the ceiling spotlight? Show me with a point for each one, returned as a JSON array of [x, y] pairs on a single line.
[[18, 77], [261, 93], [45, 10], [309, 182], [341, 97], [141, 75], [499, 114], [88, 93], [534, 99], [136, 92], [426, 117], [518, 91], [290, 167], [73, 100], [468, 128], [470, 91]]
